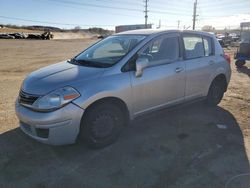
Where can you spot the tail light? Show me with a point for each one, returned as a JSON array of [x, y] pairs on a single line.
[[227, 57]]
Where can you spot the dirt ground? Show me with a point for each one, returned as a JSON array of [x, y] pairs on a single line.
[[180, 147]]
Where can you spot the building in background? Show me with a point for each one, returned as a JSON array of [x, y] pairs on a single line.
[[245, 33], [245, 25], [121, 28]]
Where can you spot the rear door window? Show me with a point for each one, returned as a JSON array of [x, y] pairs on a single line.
[[193, 47]]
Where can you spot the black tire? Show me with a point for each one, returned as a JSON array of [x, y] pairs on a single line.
[[215, 92], [102, 124], [240, 63]]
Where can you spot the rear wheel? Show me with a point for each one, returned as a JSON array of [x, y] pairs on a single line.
[[216, 92], [102, 124], [240, 63]]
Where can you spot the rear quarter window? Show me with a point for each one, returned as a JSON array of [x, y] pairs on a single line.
[[208, 46]]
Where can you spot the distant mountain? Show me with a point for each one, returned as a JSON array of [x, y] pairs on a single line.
[[93, 30]]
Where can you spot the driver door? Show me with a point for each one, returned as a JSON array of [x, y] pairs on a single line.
[[163, 81]]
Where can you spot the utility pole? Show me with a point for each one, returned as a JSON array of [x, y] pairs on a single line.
[[194, 14], [179, 24], [159, 26], [146, 13]]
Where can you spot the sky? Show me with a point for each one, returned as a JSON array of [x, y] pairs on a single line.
[[109, 13]]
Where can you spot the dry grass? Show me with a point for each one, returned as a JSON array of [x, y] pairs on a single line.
[[20, 57]]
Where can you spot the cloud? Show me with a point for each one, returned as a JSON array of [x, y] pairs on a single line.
[[226, 21]]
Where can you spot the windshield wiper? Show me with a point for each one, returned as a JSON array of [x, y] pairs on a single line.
[[88, 63], [92, 63]]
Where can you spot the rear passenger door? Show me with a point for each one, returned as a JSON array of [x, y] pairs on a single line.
[[200, 64]]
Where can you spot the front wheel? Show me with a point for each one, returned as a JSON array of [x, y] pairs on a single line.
[[215, 93], [240, 63], [102, 124]]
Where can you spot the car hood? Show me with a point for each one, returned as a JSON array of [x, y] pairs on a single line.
[[55, 76]]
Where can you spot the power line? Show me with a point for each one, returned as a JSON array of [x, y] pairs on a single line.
[[170, 7], [114, 7], [237, 7], [227, 2], [156, 11], [91, 9], [119, 2], [53, 23], [75, 4], [168, 12], [94, 5], [222, 16], [170, 2]]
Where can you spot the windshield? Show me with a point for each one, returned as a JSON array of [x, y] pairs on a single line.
[[108, 51]]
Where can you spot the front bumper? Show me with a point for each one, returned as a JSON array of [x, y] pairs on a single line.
[[59, 127]]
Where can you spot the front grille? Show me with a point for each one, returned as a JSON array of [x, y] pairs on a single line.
[[26, 98]]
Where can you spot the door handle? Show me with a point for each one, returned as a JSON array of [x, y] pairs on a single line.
[[179, 69]]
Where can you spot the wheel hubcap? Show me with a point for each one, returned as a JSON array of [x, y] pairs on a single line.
[[103, 125]]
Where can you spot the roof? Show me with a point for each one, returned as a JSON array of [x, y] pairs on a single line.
[[198, 32], [132, 25], [145, 32], [156, 31]]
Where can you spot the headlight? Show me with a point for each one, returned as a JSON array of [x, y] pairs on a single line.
[[56, 99]]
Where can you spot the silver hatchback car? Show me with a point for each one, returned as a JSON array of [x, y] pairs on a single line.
[[94, 94]]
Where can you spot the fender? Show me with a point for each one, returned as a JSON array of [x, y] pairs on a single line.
[[218, 71], [105, 87]]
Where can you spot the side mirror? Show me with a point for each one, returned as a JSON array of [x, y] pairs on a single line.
[[141, 64]]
